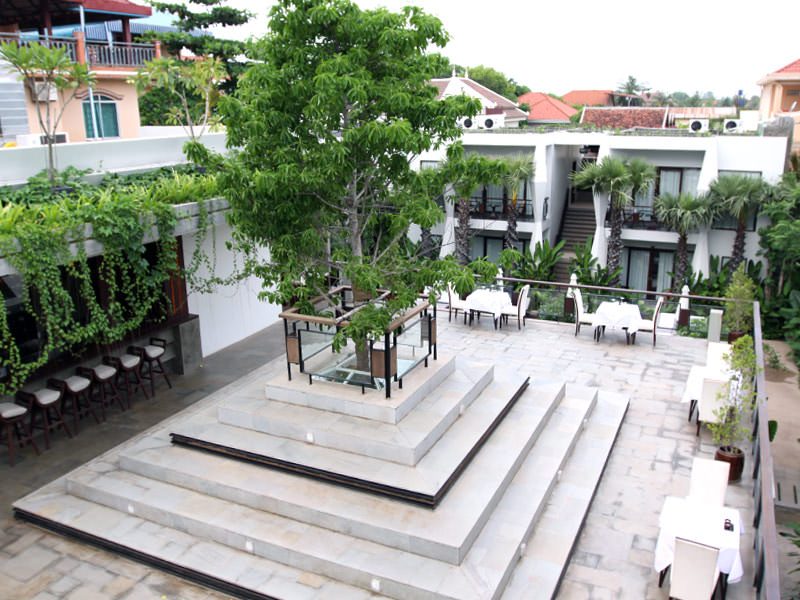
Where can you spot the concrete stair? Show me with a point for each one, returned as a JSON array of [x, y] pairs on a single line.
[[578, 225], [267, 533]]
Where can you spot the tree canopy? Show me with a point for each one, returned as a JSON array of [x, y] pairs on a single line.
[[323, 124]]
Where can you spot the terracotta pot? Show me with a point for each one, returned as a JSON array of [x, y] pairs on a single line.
[[569, 305], [735, 458]]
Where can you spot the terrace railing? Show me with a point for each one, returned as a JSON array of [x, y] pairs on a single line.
[[493, 209], [118, 54], [54, 42]]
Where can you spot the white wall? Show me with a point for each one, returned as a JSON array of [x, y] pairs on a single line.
[[115, 156], [233, 312]]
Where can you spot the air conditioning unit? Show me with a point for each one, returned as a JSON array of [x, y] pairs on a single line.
[[468, 122], [39, 139], [698, 125], [45, 93], [732, 126], [490, 121]]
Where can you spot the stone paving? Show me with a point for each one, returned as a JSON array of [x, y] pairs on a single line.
[[614, 555]]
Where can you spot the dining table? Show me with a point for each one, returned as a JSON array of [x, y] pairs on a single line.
[[490, 301], [618, 315], [703, 523]]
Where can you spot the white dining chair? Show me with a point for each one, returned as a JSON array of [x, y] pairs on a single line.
[[694, 573], [652, 325], [709, 402], [581, 316], [520, 309], [455, 303], [709, 481]]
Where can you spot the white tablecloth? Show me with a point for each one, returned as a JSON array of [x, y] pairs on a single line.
[[489, 301], [702, 523], [618, 315]]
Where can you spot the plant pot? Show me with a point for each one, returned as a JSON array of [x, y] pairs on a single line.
[[569, 305], [734, 335], [735, 458]]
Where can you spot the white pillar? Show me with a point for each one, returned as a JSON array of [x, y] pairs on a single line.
[[701, 255], [600, 243]]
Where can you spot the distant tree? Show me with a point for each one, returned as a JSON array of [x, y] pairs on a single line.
[[520, 170], [631, 86], [487, 76]]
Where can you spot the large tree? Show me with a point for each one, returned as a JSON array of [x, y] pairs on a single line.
[[739, 195], [684, 214], [323, 124]]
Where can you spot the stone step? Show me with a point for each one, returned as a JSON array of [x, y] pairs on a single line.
[[398, 573], [444, 534], [426, 483], [372, 404], [547, 552], [238, 572], [405, 442]]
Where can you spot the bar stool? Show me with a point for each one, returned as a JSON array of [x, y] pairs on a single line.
[[13, 417], [102, 377], [127, 366], [76, 389], [152, 354], [44, 403]]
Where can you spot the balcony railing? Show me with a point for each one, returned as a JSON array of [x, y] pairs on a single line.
[[117, 54], [639, 217], [493, 208]]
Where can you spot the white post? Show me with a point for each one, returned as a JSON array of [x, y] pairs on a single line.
[[714, 325], [600, 243]]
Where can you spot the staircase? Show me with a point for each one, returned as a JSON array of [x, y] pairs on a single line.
[[453, 489], [578, 225], [13, 111]]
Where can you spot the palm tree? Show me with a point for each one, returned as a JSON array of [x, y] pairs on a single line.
[[739, 195], [611, 176], [520, 170], [684, 214], [642, 175]]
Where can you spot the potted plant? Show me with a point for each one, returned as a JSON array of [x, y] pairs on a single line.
[[739, 298], [738, 395]]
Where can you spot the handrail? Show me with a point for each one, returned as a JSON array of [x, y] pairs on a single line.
[[767, 579]]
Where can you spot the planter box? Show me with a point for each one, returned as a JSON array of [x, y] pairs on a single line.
[[378, 362]]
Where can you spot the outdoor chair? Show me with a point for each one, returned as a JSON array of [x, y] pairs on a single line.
[[128, 368], [709, 402], [75, 398], [103, 377], [151, 354], [13, 417], [520, 309], [709, 481], [648, 325], [694, 573], [455, 303], [44, 406], [581, 316]]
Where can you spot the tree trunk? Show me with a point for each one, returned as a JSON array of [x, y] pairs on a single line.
[[738, 248], [463, 233], [511, 239], [615, 243], [681, 264]]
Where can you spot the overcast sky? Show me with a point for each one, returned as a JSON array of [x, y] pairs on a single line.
[[673, 45]]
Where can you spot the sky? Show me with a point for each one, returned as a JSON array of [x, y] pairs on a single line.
[[555, 47]]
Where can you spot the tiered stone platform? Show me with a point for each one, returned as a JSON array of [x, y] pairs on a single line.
[[471, 482]]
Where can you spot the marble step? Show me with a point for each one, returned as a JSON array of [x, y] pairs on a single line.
[[404, 442], [425, 483], [444, 534], [372, 404], [548, 551], [397, 573], [238, 572]]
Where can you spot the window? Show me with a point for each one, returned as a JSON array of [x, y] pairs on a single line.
[[674, 181], [647, 269], [105, 112], [490, 247]]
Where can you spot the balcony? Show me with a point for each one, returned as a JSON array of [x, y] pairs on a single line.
[[639, 217], [96, 54], [497, 209]]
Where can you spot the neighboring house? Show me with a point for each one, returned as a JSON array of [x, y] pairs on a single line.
[[113, 59], [625, 117], [548, 205], [496, 110], [780, 95], [545, 109], [601, 98]]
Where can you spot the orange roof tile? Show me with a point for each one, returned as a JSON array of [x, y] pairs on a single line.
[[546, 108], [625, 117], [793, 67]]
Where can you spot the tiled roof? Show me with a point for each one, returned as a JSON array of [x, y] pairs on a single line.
[[790, 72], [546, 108], [793, 67], [507, 106], [588, 97], [702, 112], [625, 117]]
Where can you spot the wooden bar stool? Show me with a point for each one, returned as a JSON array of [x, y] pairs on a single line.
[[44, 403], [103, 377], [128, 366], [13, 417], [75, 398], [150, 354]]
